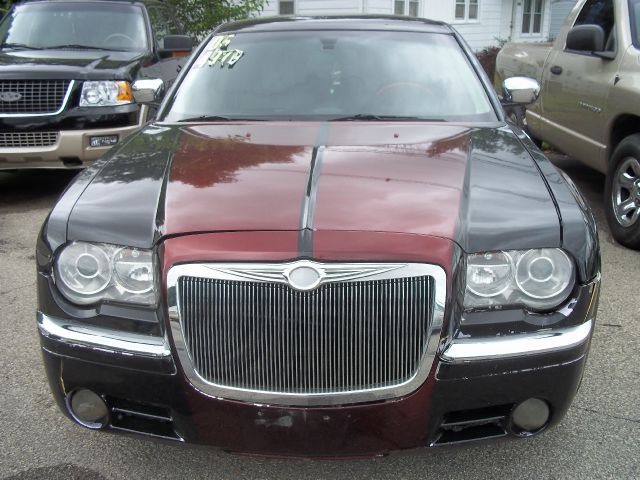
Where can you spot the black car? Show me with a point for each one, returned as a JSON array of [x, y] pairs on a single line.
[[69, 73], [330, 242]]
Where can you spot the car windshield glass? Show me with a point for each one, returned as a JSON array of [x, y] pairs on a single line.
[[634, 8], [108, 26], [332, 75]]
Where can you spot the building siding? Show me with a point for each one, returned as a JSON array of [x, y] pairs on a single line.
[[498, 19], [560, 9], [382, 7], [328, 7], [318, 7], [506, 24], [270, 9], [486, 30]]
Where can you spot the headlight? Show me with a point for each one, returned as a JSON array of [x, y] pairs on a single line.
[[539, 279], [88, 273], [105, 93]]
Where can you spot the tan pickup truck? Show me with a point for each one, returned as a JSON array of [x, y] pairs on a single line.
[[589, 105]]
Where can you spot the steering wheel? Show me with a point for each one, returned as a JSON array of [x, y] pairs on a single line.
[[113, 36], [392, 86]]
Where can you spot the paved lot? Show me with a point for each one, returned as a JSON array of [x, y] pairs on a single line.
[[599, 438]]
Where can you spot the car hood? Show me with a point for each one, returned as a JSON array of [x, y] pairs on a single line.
[[70, 64], [476, 186]]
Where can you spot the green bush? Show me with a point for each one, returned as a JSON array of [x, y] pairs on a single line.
[[487, 58]]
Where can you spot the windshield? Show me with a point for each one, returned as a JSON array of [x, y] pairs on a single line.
[[108, 26], [324, 75], [634, 8]]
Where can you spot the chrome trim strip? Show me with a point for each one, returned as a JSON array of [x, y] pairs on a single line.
[[48, 114], [76, 334], [517, 345], [566, 130], [270, 272]]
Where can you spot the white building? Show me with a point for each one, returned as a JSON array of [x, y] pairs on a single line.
[[481, 22]]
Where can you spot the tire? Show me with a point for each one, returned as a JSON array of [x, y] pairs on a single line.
[[534, 139], [622, 193]]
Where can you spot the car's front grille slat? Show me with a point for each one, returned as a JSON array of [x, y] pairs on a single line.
[[341, 337], [28, 139], [32, 97]]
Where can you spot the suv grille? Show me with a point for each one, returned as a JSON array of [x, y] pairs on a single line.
[[35, 97], [28, 139], [341, 337]]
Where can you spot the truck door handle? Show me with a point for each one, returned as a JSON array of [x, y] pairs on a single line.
[[556, 70]]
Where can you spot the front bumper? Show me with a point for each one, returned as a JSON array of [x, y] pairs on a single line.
[[71, 150], [73, 334], [469, 394]]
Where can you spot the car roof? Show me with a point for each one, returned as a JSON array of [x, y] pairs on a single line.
[[349, 22]]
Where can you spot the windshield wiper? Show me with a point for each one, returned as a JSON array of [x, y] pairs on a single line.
[[380, 118], [18, 45], [73, 45], [218, 118]]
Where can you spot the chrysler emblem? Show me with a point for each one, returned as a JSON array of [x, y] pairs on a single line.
[[304, 277], [301, 275], [10, 96]]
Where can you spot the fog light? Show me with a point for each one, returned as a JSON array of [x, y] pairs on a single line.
[[104, 141], [88, 408], [530, 416]]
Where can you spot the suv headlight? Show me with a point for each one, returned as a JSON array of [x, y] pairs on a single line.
[[88, 273], [105, 93], [539, 279]]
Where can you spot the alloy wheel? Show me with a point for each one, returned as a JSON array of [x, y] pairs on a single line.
[[626, 192]]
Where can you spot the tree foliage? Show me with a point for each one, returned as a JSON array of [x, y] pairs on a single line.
[[199, 17], [5, 5]]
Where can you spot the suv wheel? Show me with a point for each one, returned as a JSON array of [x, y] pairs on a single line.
[[622, 192]]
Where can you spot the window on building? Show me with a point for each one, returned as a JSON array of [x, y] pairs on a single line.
[[467, 10], [407, 7], [414, 9], [286, 7], [532, 17], [473, 9]]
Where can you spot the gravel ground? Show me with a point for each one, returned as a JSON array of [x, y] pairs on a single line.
[[599, 438]]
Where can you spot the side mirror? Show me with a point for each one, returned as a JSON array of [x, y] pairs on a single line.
[[586, 38], [176, 46], [520, 90], [148, 90]]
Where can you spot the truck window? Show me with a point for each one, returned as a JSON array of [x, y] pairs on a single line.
[[107, 25], [163, 23], [599, 12], [634, 10]]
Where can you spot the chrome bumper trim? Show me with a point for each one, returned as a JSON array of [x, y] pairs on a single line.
[[509, 346], [75, 334]]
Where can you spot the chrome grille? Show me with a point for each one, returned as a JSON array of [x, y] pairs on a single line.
[[28, 139], [341, 337], [33, 97]]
